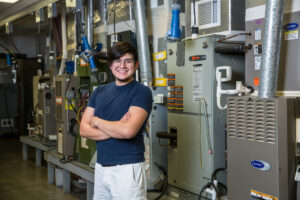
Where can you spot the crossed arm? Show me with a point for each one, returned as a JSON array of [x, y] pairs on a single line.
[[96, 128]]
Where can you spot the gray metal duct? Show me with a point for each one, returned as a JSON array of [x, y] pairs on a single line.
[[90, 23], [102, 7], [271, 48], [142, 41]]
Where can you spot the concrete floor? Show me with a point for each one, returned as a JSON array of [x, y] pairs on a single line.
[[22, 180]]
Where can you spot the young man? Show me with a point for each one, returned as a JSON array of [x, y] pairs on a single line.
[[115, 117]]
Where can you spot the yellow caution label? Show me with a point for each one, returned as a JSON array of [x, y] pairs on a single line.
[[160, 82], [160, 56], [261, 195], [69, 105]]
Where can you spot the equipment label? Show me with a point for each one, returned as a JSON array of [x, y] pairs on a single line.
[[160, 56], [255, 195], [197, 83], [58, 100], [291, 35], [257, 62], [84, 143], [258, 34]]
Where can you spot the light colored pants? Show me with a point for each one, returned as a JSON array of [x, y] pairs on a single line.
[[120, 182]]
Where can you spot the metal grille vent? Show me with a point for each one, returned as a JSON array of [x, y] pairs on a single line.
[[252, 119], [58, 88], [205, 15], [59, 110]]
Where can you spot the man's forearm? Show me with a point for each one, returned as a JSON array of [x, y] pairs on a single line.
[[92, 133], [115, 129]]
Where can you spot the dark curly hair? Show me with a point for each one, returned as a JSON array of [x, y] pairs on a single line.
[[119, 49]]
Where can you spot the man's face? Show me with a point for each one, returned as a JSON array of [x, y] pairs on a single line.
[[123, 69]]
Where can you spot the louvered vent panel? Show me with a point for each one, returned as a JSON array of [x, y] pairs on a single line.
[[204, 14], [252, 119], [231, 122], [241, 119], [58, 88], [270, 122], [59, 110]]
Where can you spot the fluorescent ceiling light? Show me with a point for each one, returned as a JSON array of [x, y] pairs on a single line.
[[8, 1]]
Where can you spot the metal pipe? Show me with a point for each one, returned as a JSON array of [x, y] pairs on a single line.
[[90, 23], [271, 48], [64, 40], [142, 41]]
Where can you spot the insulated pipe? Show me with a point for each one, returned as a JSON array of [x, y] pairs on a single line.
[[90, 23], [64, 40], [142, 41], [271, 48], [232, 49]]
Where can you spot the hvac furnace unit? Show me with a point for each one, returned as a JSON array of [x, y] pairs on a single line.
[[261, 148], [155, 151], [197, 126], [46, 114], [65, 90], [288, 75]]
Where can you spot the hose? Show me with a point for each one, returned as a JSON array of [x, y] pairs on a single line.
[[165, 188], [211, 183]]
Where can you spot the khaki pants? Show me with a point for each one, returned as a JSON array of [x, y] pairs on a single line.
[[120, 182]]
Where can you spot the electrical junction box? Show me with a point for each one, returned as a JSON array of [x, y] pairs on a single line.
[[288, 73], [192, 111], [261, 148]]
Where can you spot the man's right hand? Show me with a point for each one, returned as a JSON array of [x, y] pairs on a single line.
[[125, 117]]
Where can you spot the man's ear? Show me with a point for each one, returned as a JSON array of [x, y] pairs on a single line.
[[136, 65]]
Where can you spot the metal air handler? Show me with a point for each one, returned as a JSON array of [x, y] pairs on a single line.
[[195, 125]]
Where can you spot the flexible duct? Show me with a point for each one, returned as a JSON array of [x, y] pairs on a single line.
[[271, 48], [64, 40], [142, 41], [231, 49], [90, 23]]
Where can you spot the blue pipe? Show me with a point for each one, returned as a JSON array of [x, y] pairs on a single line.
[[174, 33], [89, 53]]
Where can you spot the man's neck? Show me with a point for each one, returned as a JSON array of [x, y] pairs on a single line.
[[123, 82]]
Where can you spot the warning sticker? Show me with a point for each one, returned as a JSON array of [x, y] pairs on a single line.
[[255, 195], [58, 100], [84, 143], [257, 34], [291, 35], [197, 83], [257, 62]]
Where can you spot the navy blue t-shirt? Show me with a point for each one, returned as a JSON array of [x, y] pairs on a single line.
[[111, 102]]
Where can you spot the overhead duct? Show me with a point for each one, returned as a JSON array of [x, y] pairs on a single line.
[[142, 41], [271, 48], [64, 40], [90, 22]]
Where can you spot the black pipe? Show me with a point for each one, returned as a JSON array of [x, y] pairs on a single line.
[[231, 49]]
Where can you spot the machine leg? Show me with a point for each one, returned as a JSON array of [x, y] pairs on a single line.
[[66, 181], [89, 190], [38, 157], [50, 174], [25, 151]]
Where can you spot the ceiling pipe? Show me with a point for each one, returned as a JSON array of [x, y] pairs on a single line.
[[64, 40], [142, 41], [271, 48], [90, 23]]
